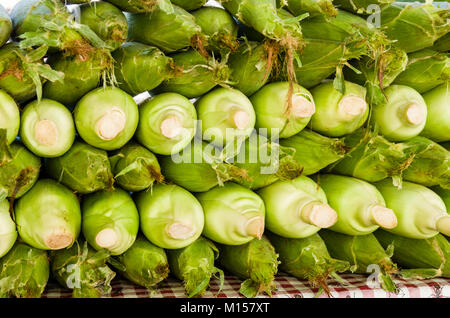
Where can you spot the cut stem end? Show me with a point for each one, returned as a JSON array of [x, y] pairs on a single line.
[[241, 119], [57, 241], [415, 114], [255, 227], [319, 214], [180, 231], [302, 107], [352, 105], [171, 127], [111, 124], [46, 132], [384, 217], [443, 225], [106, 238]]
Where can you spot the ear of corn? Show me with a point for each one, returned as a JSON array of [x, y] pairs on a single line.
[[135, 168], [24, 272], [313, 152], [195, 74], [83, 168], [255, 262], [363, 6], [250, 67], [430, 165], [140, 67], [307, 258], [107, 21], [220, 28], [260, 162], [5, 26], [144, 264], [362, 252], [424, 24], [419, 258], [140, 6], [22, 73], [425, 70], [19, 172], [189, 4], [198, 169], [83, 270], [312, 7], [194, 265], [437, 126], [168, 29]]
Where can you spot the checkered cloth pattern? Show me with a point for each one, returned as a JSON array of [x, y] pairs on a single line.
[[357, 286]]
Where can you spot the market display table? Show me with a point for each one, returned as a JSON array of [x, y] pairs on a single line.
[[356, 286]]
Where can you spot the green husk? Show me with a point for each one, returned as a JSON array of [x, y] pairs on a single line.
[[261, 162], [170, 216], [373, 158], [220, 28], [420, 212], [144, 264], [426, 69], [194, 265], [329, 43], [83, 168], [110, 220], [423, 24], [308, 258], [360, 207], [107, 21], [198, 168], [140, 68], [189, 4], [444, 194], [282, 29], [195, 74], [18, 173], [24, 272], [362, 252], [313, 152], [251, 66], [80, 75], [5, 26], [226, 116], [312, 7], [379, 69], [45, 143], [233, 214], [419, 259], [9, 117], [23, 72], [363, 6], [332, 117], [168, 123], [83, 270], [170, 29], [141, 6], [5, 151], [263, 17], [49, 23], [8, 231], [282, 108], [255, 262], [442, 44], [430, 165], [135, 168], [437, 126]]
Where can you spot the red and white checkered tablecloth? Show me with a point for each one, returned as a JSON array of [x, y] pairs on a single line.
[[287, 287]]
